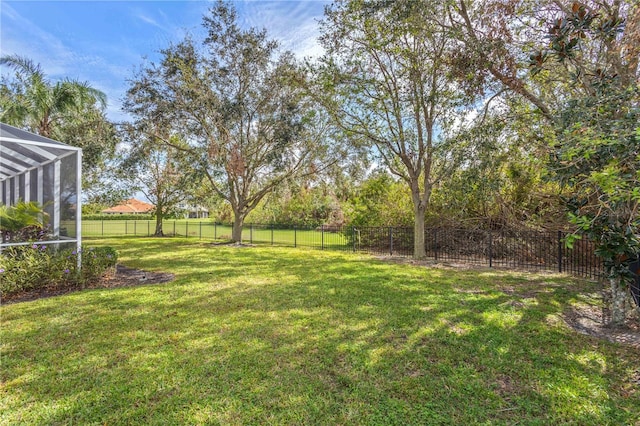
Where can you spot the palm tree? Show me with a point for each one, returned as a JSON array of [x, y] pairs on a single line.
[[39, 104]]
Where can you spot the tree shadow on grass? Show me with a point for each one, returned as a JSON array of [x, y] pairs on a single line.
[[267, 336]]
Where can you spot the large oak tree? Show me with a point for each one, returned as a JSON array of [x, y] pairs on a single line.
[[235, 100]]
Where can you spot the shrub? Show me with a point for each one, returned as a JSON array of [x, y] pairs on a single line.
[[22, 222], [42, 267]]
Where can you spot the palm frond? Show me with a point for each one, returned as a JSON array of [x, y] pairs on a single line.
[[22, 65], [20, 216], [84, 93]]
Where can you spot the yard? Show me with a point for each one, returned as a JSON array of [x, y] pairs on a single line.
[[273, 335], [205, 229]]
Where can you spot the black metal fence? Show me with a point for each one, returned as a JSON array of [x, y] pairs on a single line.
[[526, 250]]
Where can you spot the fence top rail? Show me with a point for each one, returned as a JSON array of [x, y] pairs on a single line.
[[345, 227]]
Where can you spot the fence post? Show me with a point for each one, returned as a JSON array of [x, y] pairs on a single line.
[[322, 229], [200, 229], [135, 227], [490, 250], [174, 228], [435, 243], [560, 251], [391, 241], [215, 230], [251, 233], [272, 234], [186, 229], [295, 236], [353, 238], [126, 227]]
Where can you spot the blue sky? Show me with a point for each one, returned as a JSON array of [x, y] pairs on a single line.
[[103, 42]]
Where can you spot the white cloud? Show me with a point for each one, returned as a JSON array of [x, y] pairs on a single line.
[[150, 21], [293, 23], [104, 66]]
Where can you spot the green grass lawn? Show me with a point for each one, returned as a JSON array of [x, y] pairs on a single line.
[[263, 335]]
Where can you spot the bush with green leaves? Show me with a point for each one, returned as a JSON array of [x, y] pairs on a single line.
[[23, 222], [42, 267]]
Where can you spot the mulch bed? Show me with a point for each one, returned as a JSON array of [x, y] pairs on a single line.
[[120, 276]]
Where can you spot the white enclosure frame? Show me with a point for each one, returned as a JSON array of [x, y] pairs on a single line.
[[24, 157]]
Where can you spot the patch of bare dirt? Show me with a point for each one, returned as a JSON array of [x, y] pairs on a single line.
[[232, 244], [593, 321], [126, 277], [120, 276]]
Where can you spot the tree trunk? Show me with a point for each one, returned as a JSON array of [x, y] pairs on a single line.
[[158, 232], [618, 300], [419, 251], [236, 233]]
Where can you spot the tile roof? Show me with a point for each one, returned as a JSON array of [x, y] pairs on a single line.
[[130, 206]]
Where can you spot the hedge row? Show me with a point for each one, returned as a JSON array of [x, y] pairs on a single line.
[[42, 267]]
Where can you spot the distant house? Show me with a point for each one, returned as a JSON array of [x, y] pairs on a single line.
[[131, 206], [193, 211]]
